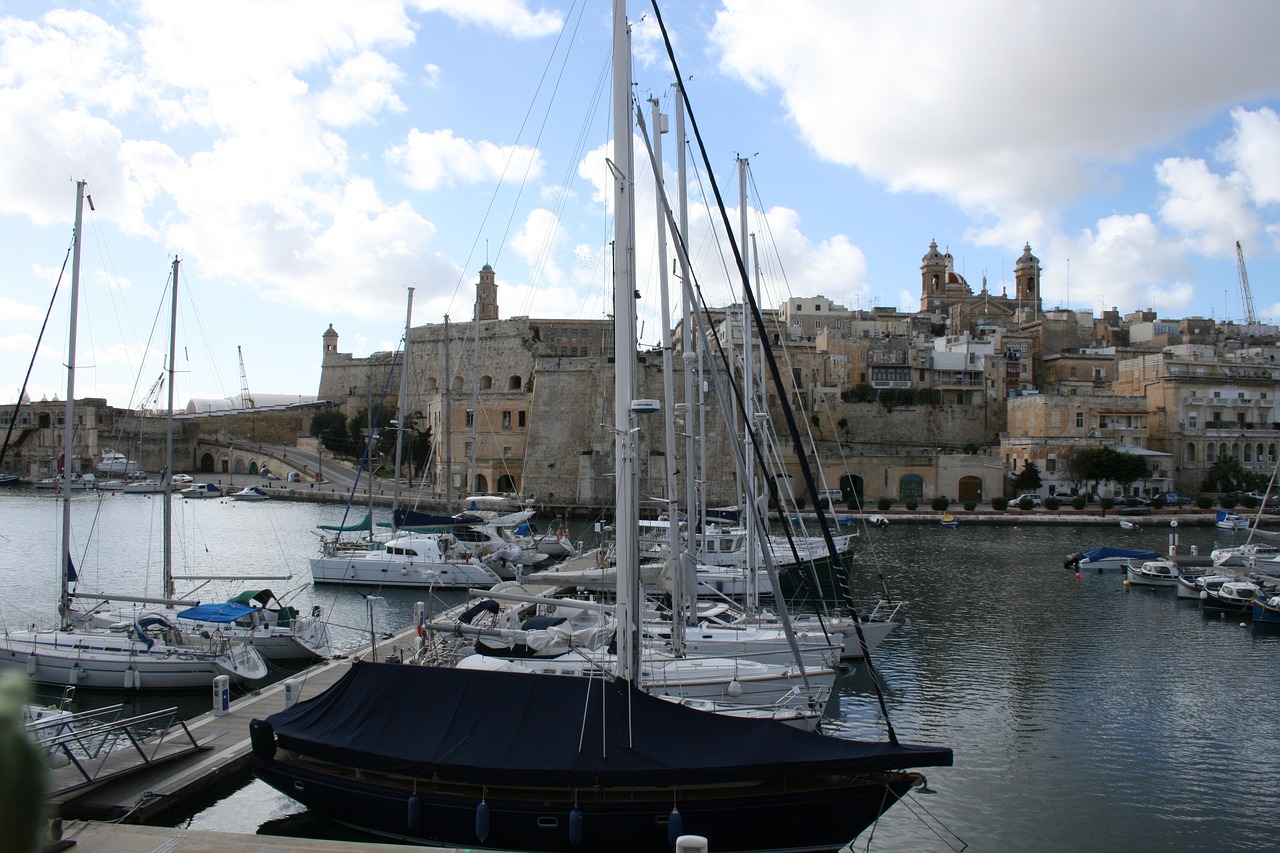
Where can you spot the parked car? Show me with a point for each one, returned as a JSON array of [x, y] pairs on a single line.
[[183, 478], [1261, 499], [1036, 501], [1175, 499]]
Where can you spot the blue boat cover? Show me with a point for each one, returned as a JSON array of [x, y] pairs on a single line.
[[1095, 554], [221, 611], [549, 730]]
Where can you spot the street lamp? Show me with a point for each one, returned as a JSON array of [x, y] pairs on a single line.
[[320, 457]]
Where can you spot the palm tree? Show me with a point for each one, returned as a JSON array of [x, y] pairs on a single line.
[[1225, 475]]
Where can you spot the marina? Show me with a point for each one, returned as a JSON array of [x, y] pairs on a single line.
[[1070, 696]]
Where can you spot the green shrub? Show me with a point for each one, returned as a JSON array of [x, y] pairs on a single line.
[[1052, 502], [1107, 503], [940, 503], [884, 504], [801, 503], [1025, 502], [1157, 502], [1079, 502], [911, 503], [1130, 500], [970, 506], [1204, 502], [999, 503], [1249, 502]]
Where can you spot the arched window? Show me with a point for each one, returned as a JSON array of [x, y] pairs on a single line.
[[1248, 454], [1190, 452], [1210, 452], [458, 384], [515, 383], [1235, 449], [432, 385], [486, 383]]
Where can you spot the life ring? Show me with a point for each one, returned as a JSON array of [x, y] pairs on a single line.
[[559, 533]]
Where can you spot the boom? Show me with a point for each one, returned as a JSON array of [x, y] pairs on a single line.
[[1245, 292]]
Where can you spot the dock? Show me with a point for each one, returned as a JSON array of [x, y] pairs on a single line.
[[93, 837]]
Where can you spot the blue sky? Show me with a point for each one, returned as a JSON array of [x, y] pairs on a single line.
[[310, 159]]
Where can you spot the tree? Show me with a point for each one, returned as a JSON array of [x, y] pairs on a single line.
[[330, 428], [1226, 474], [1128, 468], [1029, 478]]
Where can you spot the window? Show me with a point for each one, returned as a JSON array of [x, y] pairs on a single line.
[[470, 451], [1079, 420], [471, 417], [506, 452], [520, 417], [1051, 465], [506, 420]]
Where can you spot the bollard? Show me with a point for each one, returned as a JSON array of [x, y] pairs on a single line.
[[691, 844], [221, 695], [292, 691]]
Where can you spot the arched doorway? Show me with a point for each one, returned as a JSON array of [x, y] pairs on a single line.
[[253, 467], [911, 487], [238, 466], [507, 484], [970, 489], [206, 463], [482, 484], [851, 488]]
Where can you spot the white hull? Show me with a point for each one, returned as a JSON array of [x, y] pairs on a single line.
[[115, 662], [369, 569]]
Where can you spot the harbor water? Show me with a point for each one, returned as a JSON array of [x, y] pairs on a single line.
[[1083, 714]]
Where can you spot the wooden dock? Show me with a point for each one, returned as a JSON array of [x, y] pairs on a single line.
[[92, 837]]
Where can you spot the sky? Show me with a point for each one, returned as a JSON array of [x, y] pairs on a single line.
[[310, 160]]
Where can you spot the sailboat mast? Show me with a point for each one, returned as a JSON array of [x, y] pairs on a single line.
[[167, 509], [475, 397], [626, 488], [448, 423], [65, 572], [693, 505], [751, 507], [401, 407]]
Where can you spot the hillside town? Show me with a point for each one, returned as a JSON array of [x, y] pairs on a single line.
[[958, 398]]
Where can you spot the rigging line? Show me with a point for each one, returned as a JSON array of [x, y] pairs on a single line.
[[31, 365], [801, 457], [519, 133], [567, 179]]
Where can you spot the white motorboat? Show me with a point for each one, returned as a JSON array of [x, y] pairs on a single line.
[[114, 462], [412, 560], [143, 487], [1152, 573], [1105, 558], [1233, 596], [1228, 520], [198, 491], [1192, 586], [1247, 555], [250, 493]]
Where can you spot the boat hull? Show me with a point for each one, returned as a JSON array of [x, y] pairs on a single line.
[[600, 820], [364, 569]]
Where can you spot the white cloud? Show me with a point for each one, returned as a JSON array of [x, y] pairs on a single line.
[[1126, 261], [1210, 211], [971, 102], [538, 243], [438, 159], [512, 17], [1254, 150], [361, 87]]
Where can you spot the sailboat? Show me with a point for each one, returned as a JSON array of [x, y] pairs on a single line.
[[148, 652], [501, 760]]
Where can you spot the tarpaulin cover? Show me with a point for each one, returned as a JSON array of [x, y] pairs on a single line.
[[222, 611], [535, 729], [1094, 554]]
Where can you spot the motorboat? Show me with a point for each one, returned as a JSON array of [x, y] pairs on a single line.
[[1191, 586], [1228, 520], [1104, 558], [1266, 609], [201, 490], [949, 521], [114, 462], [250, 493], [1152, 573], [410, 560], [1234, 596], [143, 487], [1248, 555]]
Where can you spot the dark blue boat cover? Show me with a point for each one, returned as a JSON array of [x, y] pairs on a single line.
[[219, 611], [524, 729], [1094, 554]]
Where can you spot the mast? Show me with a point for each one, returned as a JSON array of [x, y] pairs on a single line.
[[66, 572], [748, 406], [448, 423], [475, 397], [401, 408], [693, 506], [168, 440], [675, 561], [626, 489]]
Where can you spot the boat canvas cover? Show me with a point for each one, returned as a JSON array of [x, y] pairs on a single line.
[[1095, 554], [545, 730], [412, 518], [221, 611], [366, 524]]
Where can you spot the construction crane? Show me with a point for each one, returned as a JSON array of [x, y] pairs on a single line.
[[246, 402], [1245, 292]]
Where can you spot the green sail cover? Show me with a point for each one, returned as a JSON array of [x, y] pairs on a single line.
[[366, 524]]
